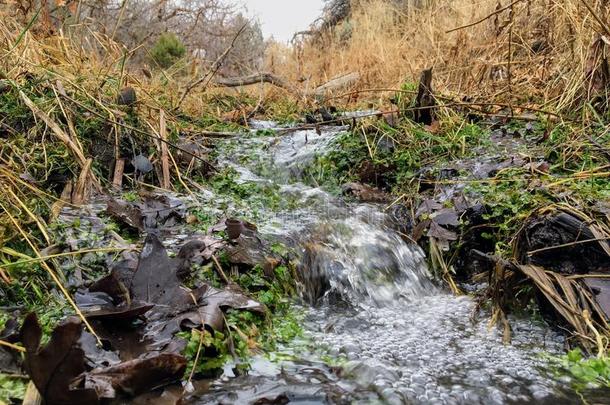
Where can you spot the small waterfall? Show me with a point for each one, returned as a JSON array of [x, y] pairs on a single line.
[[363, 262], [406, 341], [348, 249]]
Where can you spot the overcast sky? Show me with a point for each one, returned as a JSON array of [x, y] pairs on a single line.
[[282, 18]]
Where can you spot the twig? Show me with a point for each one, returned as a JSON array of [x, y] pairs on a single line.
[[215, 67], [578, 242], [118, 21], [597, 18], [256, 78], [217, 134], [220, 271], [498, 11], [164, 152], [12, 346], [200, 335], [448, 105]]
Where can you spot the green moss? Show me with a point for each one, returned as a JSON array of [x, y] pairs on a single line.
[[258, 198], [12, 389]]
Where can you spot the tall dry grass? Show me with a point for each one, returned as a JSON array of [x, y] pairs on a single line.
[[534, 52]]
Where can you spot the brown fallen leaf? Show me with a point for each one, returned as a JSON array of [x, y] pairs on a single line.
[[54, 367], [135, 376]]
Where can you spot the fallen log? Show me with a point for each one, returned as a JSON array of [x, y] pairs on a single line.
[[265, 77], [336, 83], [253, 79]]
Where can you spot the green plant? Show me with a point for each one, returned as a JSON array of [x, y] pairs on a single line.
[[594, 370], [167, 50], [12, 390]]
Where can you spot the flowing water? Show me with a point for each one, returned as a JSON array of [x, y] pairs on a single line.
[[403, 338]]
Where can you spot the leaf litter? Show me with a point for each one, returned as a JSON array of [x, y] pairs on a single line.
[[137, 310]]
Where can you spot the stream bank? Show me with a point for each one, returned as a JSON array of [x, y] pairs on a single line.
[[375, 323]]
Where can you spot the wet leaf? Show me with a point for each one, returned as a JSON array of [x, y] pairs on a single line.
[[446, 216], [209, 312], [427, 207], [54, 367], [10, 360], [126, 213], [440, 233], [136, 376], [155, 280]]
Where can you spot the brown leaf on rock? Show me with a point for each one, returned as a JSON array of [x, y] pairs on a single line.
[[209, 312], [136, 376], [126, 213], [197, 251], [446, 216], [155, 212], [440, 233]]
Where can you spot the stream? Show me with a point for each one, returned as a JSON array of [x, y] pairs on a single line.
[[400, 337]]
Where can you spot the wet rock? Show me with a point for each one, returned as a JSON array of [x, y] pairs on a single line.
[[379, 175], [601, 289], [312, 274], [142, 164], [363, 374], [260, 390], [400, 219], [127, 96], [10, 360], [562, 228], [248, 249]]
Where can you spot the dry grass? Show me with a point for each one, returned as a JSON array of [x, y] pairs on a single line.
[[58, 99], [535, 55]]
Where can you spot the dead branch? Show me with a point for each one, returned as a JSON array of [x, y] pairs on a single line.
[[256, 78], [212, 72], [472, 24]]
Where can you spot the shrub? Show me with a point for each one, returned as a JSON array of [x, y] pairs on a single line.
[[167, 50]]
